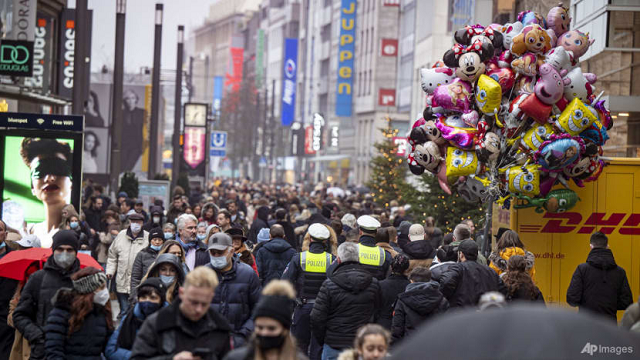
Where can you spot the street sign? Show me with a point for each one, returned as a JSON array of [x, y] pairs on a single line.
[[218, 144], [263, 162]]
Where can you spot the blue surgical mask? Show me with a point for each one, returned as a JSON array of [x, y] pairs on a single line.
[[73, 224], [147, 307], [201, 236], [156, 247], [3, 245], [168, 235], [87, 252], [167, 280], [218, 262]]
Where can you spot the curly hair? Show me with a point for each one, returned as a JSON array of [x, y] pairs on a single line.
[[32, 147], [517, 277], [82, 304]]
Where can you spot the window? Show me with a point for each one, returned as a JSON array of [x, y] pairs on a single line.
[[371, 40], [327, 3], [324, 68], [325, 33], [323, 104], [624, 29], [370, 82]]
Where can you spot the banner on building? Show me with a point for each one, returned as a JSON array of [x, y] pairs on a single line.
[[194, 145], [234, 70], [334, 135], [66, 51], [259, 58], [297, 139], [318, 127], [24, 19], [218, 90], [308, 140], [346, 52], [289, 81], [16, 58], [42, 49], [389, 47], [387, 97]]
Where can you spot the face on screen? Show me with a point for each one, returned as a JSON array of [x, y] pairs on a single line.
[[51, 178]]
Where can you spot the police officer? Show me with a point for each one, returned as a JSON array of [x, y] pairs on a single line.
[[373, 258], [307, 271]]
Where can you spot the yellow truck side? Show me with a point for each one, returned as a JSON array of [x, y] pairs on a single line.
[[561, 241]]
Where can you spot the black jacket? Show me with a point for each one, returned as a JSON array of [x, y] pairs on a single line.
[[389, 289], [8, 287], [520, 294], [94, 218], [418, 250], [154, 210], [346, 301], [296, 276], [440, 268], [141, 265], [261, 221], [379, 272], [289, 234], [88, 342], [35, 304], [465, 282], [436, 238], [167, 332], [599, 285], [236, 295], [418, 303], [272, 258]]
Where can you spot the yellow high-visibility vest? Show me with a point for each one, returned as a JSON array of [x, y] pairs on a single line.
[[371, 255], [315, 263]]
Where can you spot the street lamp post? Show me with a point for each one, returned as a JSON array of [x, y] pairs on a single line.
[[155, 94], [177, 122], [116, 109], [80, 58]]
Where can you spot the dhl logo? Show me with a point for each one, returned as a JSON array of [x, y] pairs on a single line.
[[562, 223]]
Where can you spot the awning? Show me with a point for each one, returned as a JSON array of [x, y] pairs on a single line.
[[23, 93]]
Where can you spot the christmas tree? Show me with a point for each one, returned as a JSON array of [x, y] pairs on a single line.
[[388, 170]]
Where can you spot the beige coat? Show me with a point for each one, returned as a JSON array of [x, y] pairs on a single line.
[[122, 253]]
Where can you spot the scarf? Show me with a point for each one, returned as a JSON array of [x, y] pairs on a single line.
[[129, 328], [186, 247]]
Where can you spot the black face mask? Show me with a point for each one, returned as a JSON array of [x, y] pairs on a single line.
[[270, 342], [50, 166]]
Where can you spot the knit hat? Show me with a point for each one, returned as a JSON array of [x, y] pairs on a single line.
[[122, 194], [156, 233], [65, 237], [157, 284], [263, 235], [279, 308], [89, 283]]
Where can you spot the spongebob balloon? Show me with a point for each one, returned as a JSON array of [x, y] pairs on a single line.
[[524, 182], [461, 162], [576, 117], [488, 95], [535, 136]]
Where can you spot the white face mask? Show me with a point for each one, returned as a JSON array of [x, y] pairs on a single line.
[[101, 297], [135, 228]]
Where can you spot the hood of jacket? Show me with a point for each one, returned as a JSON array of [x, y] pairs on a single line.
[[420, 249], [167, 259], [422, 297], [317, 218], [263, 213], [601, 259], [351, 277], [277, 245]]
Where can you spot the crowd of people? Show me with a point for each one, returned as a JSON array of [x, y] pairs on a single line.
[[256, 271]]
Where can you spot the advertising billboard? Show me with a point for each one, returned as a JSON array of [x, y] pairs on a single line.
[[346, 52], [41, 170], [289, 81]]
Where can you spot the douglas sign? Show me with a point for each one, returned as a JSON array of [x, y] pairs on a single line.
[[16, 58]]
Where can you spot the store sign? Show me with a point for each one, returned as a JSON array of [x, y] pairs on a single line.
[[297, 139], [318, 125], [16, 58], [289, 81], [24, 19], [234, 70], [308, 140], [66, 53], [387, 97], [346, 52], [42, 121], [42, 54], [389, 47], [391, 2], [334, 138], [194, 145]]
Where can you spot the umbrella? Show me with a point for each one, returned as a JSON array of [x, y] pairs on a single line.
[[336, 191], [519, 332], [14, 264]]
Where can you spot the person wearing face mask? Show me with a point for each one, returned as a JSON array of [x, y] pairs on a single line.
[[189, 328], [145, 259], [195, 251], [239, 289], [155, 219], [80, 323], [35, 304], [150, 298], [122, 254], [169, 231], [168, 269], [201, 231], [271, 339]]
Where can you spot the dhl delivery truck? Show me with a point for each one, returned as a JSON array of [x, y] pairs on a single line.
[[560, 241]]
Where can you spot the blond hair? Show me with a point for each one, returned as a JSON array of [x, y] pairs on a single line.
[[202, 276], [279, 288]]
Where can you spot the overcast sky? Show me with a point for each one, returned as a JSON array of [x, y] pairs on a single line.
[[139, 30]]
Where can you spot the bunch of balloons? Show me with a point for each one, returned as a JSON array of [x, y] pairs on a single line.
[[511, 114]]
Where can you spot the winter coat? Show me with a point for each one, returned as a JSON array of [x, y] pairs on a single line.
[[102, 249], [498, 262], [631, 318], [154, 271], [346, 301], [272, 258], [260, 222], [419, 252], [112, 351], [93, 218], [141, 264], [167, 332], [380, 272], [294, 274], [35, 304], [236, 295], [289, 234], [7, 332], [440, 268], [521, 295], [436, 238], [389, 289], [154, 210], [247, 257], [481, 259], [88, 342], [465, 282], [599, 285], [122, 254], [419, 302], [174, 212]]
